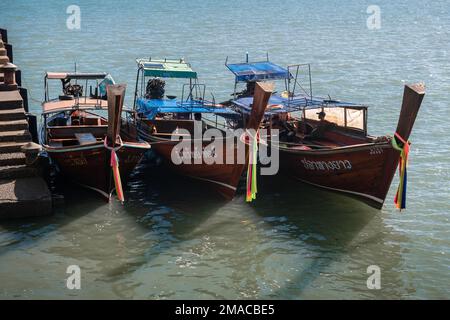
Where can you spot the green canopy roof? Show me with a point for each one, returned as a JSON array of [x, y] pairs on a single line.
[[166, 68]]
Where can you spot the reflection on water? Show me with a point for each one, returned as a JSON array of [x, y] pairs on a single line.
[[175, 239]]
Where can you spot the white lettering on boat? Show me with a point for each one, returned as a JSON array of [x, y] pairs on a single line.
[[327, 165], [186, 155], [375, 150]]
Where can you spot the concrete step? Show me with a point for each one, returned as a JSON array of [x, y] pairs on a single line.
[[12, 159], [4, 59], [13, 125], [4, 105], [11, 147], [15, 172], [24, 197], [13, 136], [12, 114], [10, 100]]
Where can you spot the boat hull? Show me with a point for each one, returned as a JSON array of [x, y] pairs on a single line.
[[363, 171], [89, 166], [222, 177]]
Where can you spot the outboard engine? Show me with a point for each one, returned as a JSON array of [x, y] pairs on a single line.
[[155, 89]]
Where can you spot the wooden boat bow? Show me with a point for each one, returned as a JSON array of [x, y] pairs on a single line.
[[412, 99], [116, 95], [263, 91]]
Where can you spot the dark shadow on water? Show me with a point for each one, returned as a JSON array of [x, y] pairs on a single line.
[[325, 221], [29, 230], [168, 209], [167, 205]]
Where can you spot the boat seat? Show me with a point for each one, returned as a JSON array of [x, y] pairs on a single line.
[[59, 143], [85, 138], [70, 131], [91, 121], [55, 144]]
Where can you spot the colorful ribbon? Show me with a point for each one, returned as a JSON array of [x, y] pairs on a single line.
[[115, 169], [400, 196], [251, 169]]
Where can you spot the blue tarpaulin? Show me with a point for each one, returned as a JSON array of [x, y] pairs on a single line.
[[151, 107], [257, 71]]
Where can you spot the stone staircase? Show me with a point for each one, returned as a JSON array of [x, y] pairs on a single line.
[[13, 135], [23, 193]]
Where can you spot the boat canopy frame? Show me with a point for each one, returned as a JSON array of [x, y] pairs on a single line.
[[266, 70], [192, 94], [164, 68], [292, 102], [66, 77]]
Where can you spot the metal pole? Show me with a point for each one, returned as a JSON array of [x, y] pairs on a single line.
[[136, 89], [310, 82]]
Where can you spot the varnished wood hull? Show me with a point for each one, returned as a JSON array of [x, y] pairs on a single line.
[[221, 169], [89, 166], [223, 178], [363, 171]]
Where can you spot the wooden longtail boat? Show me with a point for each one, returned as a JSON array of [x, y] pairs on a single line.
[[324, 142], [82, 133], [164, 120]]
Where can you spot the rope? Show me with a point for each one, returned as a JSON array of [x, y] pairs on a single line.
[[400, 196], [252, 188], [115, 168]]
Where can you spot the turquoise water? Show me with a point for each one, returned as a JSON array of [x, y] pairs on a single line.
[[174, 238]]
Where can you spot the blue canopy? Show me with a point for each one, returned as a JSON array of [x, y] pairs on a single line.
[[256, 71], [151, 107]]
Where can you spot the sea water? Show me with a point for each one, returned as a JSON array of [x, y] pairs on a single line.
[[174, 238]]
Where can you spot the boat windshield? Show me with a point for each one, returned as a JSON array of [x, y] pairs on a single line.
[[347, 116]]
